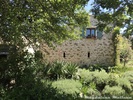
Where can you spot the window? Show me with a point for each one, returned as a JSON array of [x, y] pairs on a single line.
[[64, 55], [90, 33], [88, 54]]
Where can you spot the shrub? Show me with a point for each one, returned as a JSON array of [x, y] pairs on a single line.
[[16, 66], [112, 80], [26, 85], [128, 75], [97, 76], [67, 86], [31, 91], [25, 71], [85, 76], [120, 69], [95, 67], [70, 69], [58, 70], [113, 91], [97, 82], [100, 78], [38, 91], [117, 80], [125, 84], [93, 92], [99, 68]]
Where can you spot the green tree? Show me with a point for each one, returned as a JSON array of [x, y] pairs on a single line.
[[112, 16], [125, 51], [35, 20], [26, 23]]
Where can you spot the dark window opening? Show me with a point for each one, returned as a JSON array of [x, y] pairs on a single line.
[[91, 33], [88, 54], [64, 55]]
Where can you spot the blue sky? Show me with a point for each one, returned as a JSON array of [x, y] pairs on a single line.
[[88, 6]]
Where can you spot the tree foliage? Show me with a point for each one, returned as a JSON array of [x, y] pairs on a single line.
[[33, 20], [112, 16], [26, 23], [125, 51], [113, 13]]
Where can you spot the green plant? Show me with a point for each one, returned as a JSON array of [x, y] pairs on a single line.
[[85, 76], [98, 67], [113, 91], [67, 86], [83, 90], [95, 67], [37, 91], [70, 70], [93, 92], [128, 75], [100, 78], [14, 67], [125, 51], [28, 83], [120, 81], [19, 80], [58, 70], [101, 82], [112, 80], [120, 69], [125, 84]]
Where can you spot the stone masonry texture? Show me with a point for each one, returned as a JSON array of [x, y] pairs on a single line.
[[86, 51]]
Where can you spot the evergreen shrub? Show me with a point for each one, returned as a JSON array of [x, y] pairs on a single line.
[[67, 86]]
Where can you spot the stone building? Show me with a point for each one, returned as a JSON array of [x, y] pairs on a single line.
[[95, 47]]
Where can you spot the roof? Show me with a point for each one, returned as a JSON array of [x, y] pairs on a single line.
[[93, 21]]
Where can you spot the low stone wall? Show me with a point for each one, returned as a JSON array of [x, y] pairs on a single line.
[[83, 52]]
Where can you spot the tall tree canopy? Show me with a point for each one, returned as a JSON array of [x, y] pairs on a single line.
[[27, 22], [112, 16], [34, 20], [112, 13]]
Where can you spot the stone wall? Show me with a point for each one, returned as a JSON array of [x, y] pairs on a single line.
[[83, 52]]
